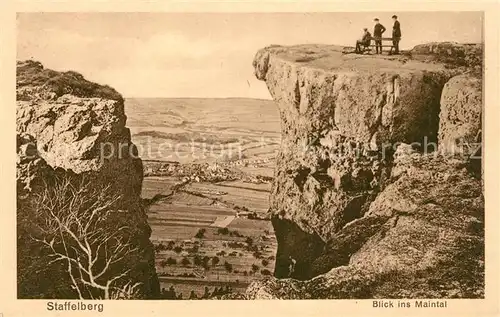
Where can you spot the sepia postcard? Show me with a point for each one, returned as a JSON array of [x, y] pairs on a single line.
[[244, 158]]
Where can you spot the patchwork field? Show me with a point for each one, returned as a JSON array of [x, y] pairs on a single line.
[[231, 251]]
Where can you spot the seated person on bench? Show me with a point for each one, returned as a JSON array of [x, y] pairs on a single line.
[[364, 42]]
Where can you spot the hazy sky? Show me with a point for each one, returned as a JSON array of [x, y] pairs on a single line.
[[205, 54]]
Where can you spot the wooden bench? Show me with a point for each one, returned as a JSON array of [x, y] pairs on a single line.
[[383, 39]]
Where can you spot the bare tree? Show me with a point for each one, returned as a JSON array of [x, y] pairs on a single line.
[[79, 229]]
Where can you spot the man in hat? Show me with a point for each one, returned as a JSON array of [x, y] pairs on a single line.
[[364, 42], [378, 30], [396, 34]]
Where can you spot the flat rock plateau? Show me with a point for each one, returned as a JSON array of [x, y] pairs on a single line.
[[377, 189]]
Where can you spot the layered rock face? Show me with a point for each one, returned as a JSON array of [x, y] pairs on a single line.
[[73, 130], [363, 203]]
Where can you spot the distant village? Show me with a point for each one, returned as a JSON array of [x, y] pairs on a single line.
[[206, 172]]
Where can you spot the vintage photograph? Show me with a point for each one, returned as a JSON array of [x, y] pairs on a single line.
[[235, 155]]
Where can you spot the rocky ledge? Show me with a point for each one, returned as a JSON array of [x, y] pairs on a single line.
[[376, 192], [82, 229]]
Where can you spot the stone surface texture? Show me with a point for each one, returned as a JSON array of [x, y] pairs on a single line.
[[363, 201], [68, 127]]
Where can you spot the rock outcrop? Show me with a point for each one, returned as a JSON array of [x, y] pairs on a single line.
[[451, 53], [71, 130], [363, 203], [460, 117]]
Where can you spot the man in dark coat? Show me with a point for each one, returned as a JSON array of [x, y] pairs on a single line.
[[378, 30], [365, 41], [396, 34]]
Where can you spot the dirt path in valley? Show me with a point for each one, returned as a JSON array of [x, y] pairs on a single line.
[[223, 222]]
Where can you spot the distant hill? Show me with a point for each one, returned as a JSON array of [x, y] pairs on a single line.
[[206, 122], [243, 113]]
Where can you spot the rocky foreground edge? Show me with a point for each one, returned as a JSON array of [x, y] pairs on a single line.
[[363, 200], [74, 155]]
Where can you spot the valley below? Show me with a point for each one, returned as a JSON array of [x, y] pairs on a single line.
[[208, 192]]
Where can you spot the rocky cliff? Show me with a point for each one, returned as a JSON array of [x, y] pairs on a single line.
[[369, 198], [82, 229]]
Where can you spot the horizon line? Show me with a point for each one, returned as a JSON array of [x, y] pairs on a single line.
[[254, 98]]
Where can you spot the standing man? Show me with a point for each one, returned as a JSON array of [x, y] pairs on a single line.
[[378, 30], [396, 34]]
